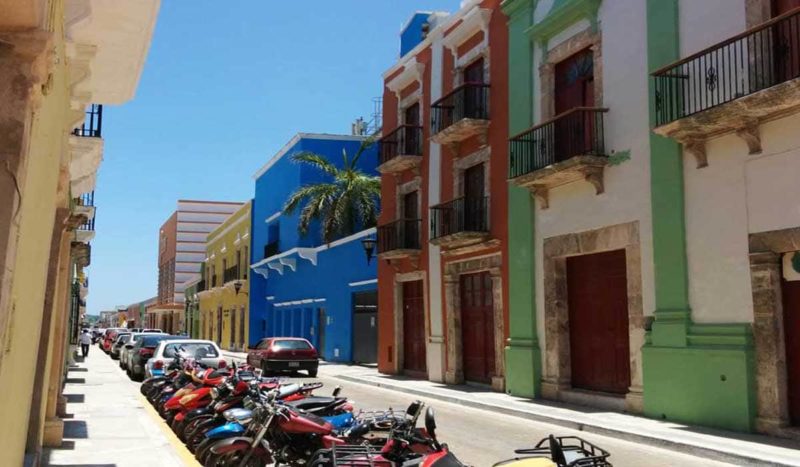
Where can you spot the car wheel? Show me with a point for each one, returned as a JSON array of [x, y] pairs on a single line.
[[265, 370], [313, 372]]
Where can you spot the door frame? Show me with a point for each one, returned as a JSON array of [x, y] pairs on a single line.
[[772, 400], [493, 263], [557, 378], [397, 345], [586, 39]]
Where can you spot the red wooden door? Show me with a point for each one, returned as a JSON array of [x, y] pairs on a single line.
[[410, 235], [574, 88], [414, 327], [474, 199], [411, 142], [473, 97], [477, 327], [598, 322], [791, 326]]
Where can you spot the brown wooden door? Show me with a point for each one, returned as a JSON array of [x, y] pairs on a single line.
[[477, 327], [786, 50], [411, 144], [474, 199], [574, 88], [411, 114], [791, 326], [414, 328], [473, 73], [410, 237], [598, 322], [473, 95]]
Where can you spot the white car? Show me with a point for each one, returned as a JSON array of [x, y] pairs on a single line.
[[206, 352]]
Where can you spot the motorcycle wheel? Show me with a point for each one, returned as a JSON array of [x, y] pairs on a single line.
[[195, 431], [177, 427]]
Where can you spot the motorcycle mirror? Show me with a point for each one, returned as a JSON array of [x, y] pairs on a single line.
[[336, 391], [430, 422], [414, 408]]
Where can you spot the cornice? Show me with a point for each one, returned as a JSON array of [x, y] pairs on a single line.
[[563, 15]]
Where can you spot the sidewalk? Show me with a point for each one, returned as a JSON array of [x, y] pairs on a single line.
[[725, 446], [109, 423]]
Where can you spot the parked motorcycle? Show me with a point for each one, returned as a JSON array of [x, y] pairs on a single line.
[[562, 451]]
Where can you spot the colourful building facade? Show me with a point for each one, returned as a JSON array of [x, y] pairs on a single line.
[[443, 284], [654, 238], [300, 285], [223, 294]]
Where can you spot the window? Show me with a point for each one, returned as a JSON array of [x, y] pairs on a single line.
[[191, 349], [247, 262], [291, 345], [264, 344]]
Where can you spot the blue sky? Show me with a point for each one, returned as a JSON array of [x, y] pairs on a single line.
[[225, 86]]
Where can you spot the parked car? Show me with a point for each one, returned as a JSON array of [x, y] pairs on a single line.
[[157, 331], [284, 354], [97, 334], [125, 350], [142, 350], [206, 352], [135, 329], [121, 339], [109, 337]]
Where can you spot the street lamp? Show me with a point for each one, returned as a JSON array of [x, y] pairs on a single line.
[[369, 247]]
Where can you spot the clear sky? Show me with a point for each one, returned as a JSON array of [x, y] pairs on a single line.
[[225, 86]]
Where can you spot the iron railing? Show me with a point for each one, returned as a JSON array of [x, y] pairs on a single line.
[[465, 214], [271, 249], [754, 60], [93, 124], [86, 199], [406, 140], [402, 234], [231, 274], [576, 132], [470, 100], [88, 225]]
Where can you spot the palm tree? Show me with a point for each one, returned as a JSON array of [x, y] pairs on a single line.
[[344, 203]]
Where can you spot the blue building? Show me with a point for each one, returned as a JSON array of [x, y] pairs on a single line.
[[301, 286]]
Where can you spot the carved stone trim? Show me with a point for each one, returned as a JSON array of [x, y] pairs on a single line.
[[586, 39], [750, 134], [557, 369], [542, 194], [697, 148], [460, 165], [404, 189]]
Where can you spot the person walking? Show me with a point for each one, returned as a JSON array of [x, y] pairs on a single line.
[[86, 341]]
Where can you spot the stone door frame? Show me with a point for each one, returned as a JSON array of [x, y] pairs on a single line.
[[766, 250], [557, 378], [493, 263], [398, 352], [584, 40]]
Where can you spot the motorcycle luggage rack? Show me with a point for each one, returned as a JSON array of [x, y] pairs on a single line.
[[568, 451], [349, 456]]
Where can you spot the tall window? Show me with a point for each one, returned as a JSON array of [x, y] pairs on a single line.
[[247, 262]]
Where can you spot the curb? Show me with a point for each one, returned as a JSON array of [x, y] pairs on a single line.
[[652, 440]]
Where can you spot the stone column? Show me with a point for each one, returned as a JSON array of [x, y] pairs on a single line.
[[24, 66], [498, 379], [771, 384], [455, 370]]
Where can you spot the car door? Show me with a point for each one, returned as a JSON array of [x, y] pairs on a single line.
[[263, 349]]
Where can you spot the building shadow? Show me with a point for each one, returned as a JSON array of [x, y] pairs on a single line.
[[75, 429], [75, 381], [75, 398]]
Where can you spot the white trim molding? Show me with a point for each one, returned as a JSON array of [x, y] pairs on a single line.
[[366, 282]]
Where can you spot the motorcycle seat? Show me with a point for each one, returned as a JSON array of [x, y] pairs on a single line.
[[315, 402]]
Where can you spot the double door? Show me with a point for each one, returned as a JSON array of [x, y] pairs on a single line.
[[414, 355], [477, 327]]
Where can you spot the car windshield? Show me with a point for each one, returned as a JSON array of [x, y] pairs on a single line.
[[191, 349], [290, 345], [123, 338]]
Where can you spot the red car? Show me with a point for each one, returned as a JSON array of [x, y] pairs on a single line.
[[284, 354], [110, 337]]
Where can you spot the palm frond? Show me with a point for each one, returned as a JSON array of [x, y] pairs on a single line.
[[317, 161]]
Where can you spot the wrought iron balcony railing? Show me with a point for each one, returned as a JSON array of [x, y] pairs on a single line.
[[757, 59], [271, 249], [87, 226], [577, 132], [465, 214], [231, 274], [402, 234], [470, 100], [86, 199], [93, 124], [406, 140]]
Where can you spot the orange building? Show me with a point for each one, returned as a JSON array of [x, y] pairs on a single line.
[[443, 228]]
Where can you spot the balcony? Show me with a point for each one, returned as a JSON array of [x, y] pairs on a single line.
[[399, 239], [461, 114], [461, 222], [93, 124], [731, 87], [85, 232], [231, 274], [401, 149], [567, 148]]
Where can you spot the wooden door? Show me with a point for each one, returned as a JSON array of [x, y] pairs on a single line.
[[786, 50], [791, 326], [474, 105], [474, 199], [414, 328], [477, 327], [598, 322], [410, 143], [410, 233], [574, 88]]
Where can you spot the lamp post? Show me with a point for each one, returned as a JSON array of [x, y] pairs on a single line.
[[369, 247]]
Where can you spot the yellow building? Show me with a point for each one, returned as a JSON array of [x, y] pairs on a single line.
[[57, 58], [224, 292]]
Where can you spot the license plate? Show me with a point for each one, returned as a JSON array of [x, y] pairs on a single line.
[[294, 364]]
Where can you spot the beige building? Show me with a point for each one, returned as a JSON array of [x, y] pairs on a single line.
[[58, 58]]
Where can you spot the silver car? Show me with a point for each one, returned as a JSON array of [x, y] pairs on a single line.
[[206, 352], [126, 352]]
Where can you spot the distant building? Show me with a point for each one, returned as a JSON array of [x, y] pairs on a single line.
[[181, 251]]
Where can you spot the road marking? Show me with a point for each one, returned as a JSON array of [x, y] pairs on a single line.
[[186, 456]]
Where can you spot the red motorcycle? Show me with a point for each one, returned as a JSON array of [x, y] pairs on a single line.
[[193, 396]]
